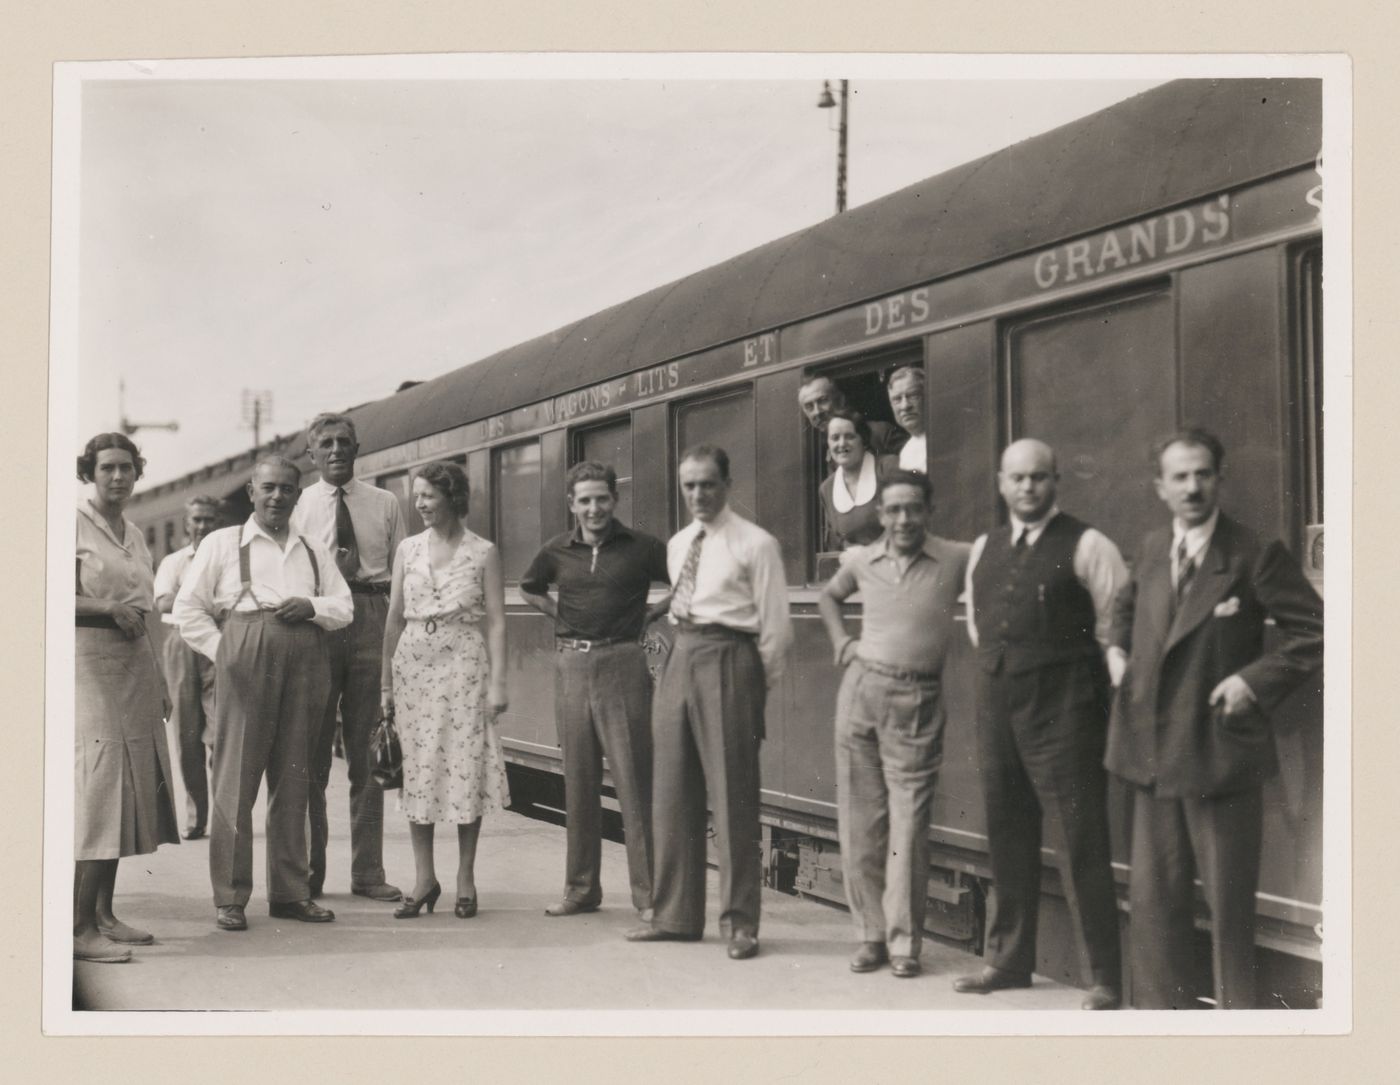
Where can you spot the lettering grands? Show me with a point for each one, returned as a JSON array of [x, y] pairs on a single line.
[[1148, 239]]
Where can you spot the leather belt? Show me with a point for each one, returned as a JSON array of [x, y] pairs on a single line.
[[711, 629], [575, 644], [95, 621], [899, 674], [369, 587]]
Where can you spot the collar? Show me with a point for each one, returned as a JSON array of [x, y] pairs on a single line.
[[616, 530], [88, 509], [1197, 538], [1033, 530], [881, 548], [717, 525], [841, 497], [329, 488], [253, 530]]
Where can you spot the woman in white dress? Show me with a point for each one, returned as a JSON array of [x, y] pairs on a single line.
[[444, 680]]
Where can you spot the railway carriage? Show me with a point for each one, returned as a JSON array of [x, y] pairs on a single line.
[[1156, 263]]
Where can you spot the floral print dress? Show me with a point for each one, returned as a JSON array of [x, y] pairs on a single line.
[[453, 769]]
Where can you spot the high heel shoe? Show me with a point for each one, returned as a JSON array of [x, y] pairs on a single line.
[[410, 908], [466, 907]]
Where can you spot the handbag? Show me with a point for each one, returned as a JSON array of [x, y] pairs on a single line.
[[386, 755]]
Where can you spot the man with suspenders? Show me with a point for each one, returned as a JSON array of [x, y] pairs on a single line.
[[258, 600]]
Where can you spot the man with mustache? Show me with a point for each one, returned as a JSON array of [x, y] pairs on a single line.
[[258, 601], [188, 675], [1190, 732], [362, 526], [602, 571]]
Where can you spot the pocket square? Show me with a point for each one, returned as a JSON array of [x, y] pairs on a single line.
[[1229, 608]]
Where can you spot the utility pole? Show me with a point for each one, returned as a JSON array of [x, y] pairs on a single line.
[[127, 425], [257, 409], [826, 101]]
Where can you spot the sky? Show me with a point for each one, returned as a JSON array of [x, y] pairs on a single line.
[[325, 240]]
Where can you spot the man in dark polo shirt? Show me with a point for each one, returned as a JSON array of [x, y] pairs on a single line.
[[1040, 594], [602, 570], [889, 717]]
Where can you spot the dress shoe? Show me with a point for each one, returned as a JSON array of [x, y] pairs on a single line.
[[1102, 997], [231, 918], [742, 946], [466, 907], [650, 933], [99, 950], [410, 908], [383, 891], [990, 979], [570, 907], [869, 956], [906, 967], [303, 911], [127, 936], [194, 832]]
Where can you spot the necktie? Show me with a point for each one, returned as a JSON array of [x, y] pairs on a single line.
[[1185, 570], [1022, 540], [685, 586], [347, 551]]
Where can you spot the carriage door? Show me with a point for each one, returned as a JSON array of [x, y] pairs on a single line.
[[1097, 382]]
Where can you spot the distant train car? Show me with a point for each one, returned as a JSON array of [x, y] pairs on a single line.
[[1156, 263]]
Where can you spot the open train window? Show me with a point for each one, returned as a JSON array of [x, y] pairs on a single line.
[[726, 420], [516, 470], [610, 444], [860, 385], [1097, 382], [1307, 352]]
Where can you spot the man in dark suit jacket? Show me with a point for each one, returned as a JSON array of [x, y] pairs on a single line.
[[1189, 729]]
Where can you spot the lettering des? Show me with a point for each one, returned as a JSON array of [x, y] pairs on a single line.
[[1139, 242], [900, 311]]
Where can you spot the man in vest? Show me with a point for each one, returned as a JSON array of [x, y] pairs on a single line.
[[1040, 601]]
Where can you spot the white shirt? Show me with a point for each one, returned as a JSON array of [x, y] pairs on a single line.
[[739, 583], [212, 583], [1097, 564], [1197, 539], [170, 575], [378, 520], [914, 455], [842, 498], [112, 569]]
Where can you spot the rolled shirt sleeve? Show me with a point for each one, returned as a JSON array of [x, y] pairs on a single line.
[[1100, 568]]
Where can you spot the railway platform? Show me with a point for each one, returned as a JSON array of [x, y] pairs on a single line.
[[509, 957]]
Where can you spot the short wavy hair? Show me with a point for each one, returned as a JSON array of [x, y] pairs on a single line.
[[87, 462], [716, 455], [901, 477], [449, 480], [329, 418], [592, 471]]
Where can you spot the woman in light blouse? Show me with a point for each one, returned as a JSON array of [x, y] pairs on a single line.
[[122, 777]]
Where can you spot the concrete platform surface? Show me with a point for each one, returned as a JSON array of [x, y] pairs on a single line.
[[510, 957]]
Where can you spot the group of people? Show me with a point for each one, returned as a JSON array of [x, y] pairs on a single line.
[[318, 611]]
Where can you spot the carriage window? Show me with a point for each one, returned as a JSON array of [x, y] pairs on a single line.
[[861, 385], [151, 538], [612, 445], [517, 500], [1098, 384], [727, 421], [170, 536]]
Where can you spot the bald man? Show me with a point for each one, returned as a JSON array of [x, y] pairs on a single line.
[[1040, 597]]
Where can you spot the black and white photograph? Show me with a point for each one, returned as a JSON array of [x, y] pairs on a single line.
[[835, 543]]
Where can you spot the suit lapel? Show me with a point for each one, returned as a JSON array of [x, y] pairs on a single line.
[[1208, 586]]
